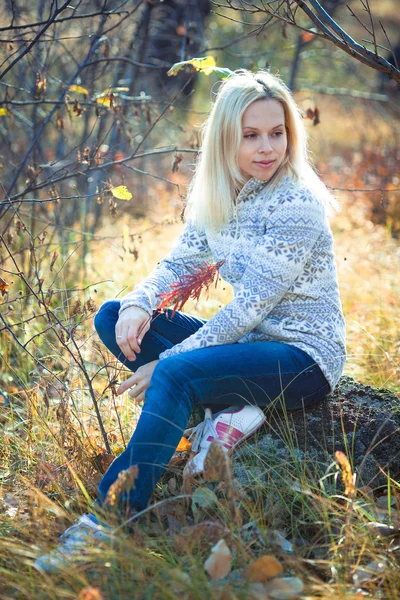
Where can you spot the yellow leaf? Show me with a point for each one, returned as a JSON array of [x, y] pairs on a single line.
[[200, 64], [205, 65], [184, 445], [113, 90], [264, 568], [4, 112], [79, 90], [121, 192], [104, 101]]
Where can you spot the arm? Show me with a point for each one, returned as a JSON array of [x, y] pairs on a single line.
[[277, 260], [190, 250]]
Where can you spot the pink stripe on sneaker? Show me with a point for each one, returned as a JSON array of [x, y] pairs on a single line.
[[228, 435]]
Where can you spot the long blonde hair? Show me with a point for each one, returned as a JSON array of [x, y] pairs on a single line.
[[217, 176]]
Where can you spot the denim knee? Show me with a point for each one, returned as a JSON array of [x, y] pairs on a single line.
[[106, 316]]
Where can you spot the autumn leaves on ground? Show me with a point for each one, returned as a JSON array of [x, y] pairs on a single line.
[[283, 538]]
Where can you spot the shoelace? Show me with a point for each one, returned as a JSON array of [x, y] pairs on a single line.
[[204, 429], [77, 528]]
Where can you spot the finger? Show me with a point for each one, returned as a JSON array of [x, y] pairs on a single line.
[[121, 337], [138, 399], [130, 346], [132, 339], [125, 385], [127, 350], [138, 389]]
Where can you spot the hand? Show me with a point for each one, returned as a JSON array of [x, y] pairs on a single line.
[[140, 379], [127, 329]]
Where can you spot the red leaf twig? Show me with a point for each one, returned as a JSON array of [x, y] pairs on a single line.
[[189, 286]]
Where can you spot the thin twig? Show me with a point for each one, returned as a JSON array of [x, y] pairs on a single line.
[[39, 35]]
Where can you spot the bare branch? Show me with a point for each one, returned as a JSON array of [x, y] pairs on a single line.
[[38, 36]]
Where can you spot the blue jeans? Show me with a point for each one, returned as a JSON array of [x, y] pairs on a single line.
[[260, 373]]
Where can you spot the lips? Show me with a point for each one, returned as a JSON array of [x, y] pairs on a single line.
[[264, 164]]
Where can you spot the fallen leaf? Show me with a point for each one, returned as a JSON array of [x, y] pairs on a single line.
[[4, 112], [90, 593], [276, 537], [284, 588], [184, 445], [264, 568], [177, 459], [201, 536], [203, 498], [218, 564], [180, 581]]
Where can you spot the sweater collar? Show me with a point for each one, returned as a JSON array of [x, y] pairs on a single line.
[[254, 185], [251, 185]]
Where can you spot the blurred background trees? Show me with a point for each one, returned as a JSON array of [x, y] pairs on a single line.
[[85, 92]]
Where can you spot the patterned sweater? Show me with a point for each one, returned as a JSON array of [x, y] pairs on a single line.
[[281, 265]]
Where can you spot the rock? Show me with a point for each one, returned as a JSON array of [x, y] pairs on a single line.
[[361, 421]]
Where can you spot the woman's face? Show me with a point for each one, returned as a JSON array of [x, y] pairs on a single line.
[[264, 142]]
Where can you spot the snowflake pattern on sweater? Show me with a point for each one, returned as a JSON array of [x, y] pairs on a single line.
[[281, 266]]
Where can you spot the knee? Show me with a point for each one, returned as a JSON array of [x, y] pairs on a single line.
[[107, 316], [169, 377], [174, 372]]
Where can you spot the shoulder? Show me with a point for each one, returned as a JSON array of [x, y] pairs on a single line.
[[297, 195], [299, 190]]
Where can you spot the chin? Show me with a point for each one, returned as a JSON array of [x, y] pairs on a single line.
[[264, 176]]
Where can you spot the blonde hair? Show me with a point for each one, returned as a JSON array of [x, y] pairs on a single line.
[[217, 175]]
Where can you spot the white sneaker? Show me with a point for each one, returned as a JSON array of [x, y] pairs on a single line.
[[231, 427], [74, 543]]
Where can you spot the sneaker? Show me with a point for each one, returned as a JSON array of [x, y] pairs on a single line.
[[73, 546], [231, 427]]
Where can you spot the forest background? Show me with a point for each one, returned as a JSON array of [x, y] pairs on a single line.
[[87, 106]]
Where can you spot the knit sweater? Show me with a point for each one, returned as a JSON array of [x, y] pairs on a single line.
[[281, 264]]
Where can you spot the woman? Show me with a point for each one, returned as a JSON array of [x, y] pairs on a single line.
[[256, 203]]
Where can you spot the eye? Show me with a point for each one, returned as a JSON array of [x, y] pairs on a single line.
[[250, 135], [278, 133]]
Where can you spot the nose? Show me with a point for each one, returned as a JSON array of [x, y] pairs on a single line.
[[265, 144]]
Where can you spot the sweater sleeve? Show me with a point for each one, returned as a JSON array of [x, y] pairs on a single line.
[[190, 250], [277, 260]]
